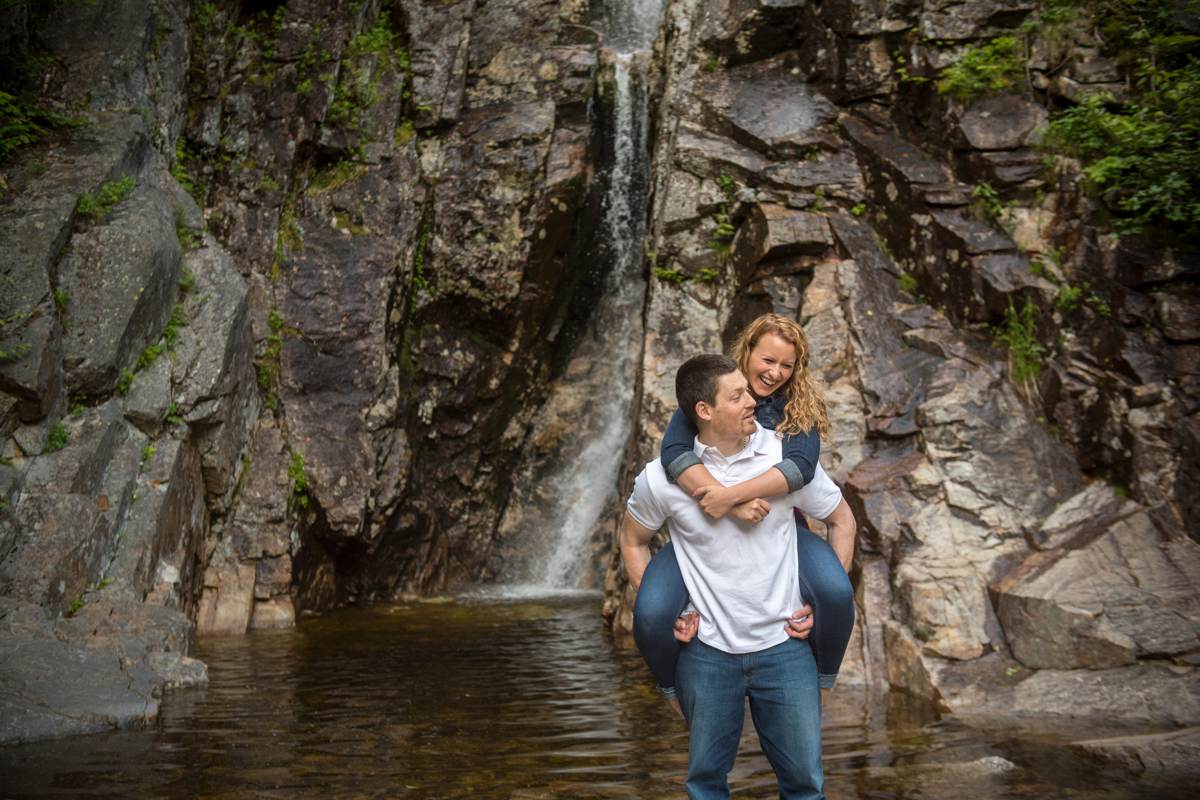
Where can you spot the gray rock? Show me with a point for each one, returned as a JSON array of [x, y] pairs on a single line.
[[214, 386], [765, 106], [1006, 122], [1178, 313], [122, 276], [1153, 757], [150, 396], [771, 232], [38, 224], [974, 19], [69, 510], [1101, 603]]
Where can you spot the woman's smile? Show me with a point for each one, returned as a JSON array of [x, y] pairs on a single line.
[[772, 362]]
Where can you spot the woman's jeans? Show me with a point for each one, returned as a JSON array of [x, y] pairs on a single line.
[[823, 583], [785, 704]]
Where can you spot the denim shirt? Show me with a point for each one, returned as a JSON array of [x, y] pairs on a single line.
[[800, 453]]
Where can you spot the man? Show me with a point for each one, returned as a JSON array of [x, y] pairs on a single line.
[[742, 579]]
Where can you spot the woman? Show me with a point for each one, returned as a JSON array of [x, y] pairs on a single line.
[[773, 354]]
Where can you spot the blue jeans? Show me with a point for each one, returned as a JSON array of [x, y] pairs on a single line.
[[785, 705], [823, 582]]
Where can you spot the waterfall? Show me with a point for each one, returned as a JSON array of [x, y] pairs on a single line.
[[565, 499]]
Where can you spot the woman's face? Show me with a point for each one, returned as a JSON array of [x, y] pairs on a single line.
[[772, 362]]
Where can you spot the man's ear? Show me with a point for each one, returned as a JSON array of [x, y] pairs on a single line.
[[704, 411]]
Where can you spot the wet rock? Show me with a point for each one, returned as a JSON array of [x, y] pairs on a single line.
[[273, 613], [1170, 755], [1126, 593], [768, 108], [110, 663]]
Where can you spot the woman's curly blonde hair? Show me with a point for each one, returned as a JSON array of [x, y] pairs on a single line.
[[806, 408]]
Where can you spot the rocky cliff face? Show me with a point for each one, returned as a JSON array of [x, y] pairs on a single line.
[[280, 315], [999, 572], [277, 319]]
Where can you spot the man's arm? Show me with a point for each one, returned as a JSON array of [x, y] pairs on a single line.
[[634, 539], [717, 500], [842, 529]]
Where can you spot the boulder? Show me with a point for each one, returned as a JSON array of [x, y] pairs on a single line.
[[1125, 592], [1006, 122]]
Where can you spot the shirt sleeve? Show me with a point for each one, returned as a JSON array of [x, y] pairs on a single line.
[[678, 447], [820, 497], [643, 506], [801, 454]]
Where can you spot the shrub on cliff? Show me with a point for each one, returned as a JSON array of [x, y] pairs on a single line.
[[1143, 158], [985, 69]]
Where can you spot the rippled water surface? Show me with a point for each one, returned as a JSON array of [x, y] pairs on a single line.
[[471, 699]]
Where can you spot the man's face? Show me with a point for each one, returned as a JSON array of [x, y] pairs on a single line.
[[732, 415]]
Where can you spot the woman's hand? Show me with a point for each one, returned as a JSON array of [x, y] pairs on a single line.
[[687, 626], [715, 500], [751, 511], [799, 626]]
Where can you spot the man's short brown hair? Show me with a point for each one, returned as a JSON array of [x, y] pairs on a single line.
[[696, 381]]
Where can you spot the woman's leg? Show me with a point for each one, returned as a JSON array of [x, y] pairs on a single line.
[[660, 599], [826, 587]]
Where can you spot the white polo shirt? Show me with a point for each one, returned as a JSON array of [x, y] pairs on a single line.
[[742, 578]]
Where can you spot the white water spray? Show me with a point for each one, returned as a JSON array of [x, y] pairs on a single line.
[[603, 367]]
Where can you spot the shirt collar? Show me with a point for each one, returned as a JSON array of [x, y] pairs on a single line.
[[757, 446]]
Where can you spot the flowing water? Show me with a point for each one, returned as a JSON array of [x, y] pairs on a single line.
[[467, 699], [593, 399]]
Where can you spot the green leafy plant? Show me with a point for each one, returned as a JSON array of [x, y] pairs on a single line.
[[187, 280], [672, 275], [23, 123], [56, 439], [76, 606], [62, 299], [96, 207], [189, 238], [908, 283], [983, 70], [706, 275], [147, 454], [1018, 335], [299, 498], [858, 209], [986, 201], [1140, 158], [124, 382], [172, 417]]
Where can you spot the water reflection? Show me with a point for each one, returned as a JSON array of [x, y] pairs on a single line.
[[489, 699]]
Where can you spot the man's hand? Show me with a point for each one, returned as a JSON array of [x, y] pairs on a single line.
[[801, 622], [751, 511], [715, 500], [687, 626]]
